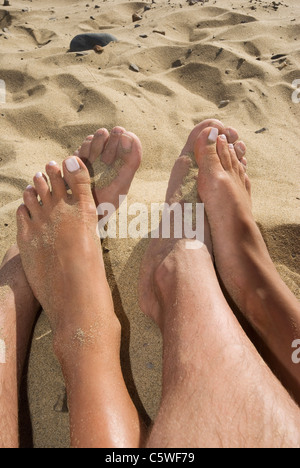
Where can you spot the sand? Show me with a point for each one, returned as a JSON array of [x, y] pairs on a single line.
[[234, 60]]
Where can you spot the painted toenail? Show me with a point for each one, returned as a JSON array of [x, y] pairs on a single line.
[[38, 175], [126, 142], [223, 137], [29, 187], [52, 163], [72, 165], [212, 138], [231, 146]]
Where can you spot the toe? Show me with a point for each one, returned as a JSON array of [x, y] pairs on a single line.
[[235, 164], [42, 188], [57, 183], [231, 134], [77, 177], [240, 149], [23, 221], [84, 151], [110, 151], [30, 199], [206, 150], [224, 152], [98, 144]]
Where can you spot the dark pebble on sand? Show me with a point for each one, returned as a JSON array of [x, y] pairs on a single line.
[[262, 130]]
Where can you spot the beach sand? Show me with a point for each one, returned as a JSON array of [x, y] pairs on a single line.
[[190, 58]]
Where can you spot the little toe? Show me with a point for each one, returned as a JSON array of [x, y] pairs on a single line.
[[98, 144], [109, 154], [78, 179], [30, 199], [42, 188], [57, 183]]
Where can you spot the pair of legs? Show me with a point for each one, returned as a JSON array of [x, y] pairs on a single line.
[[217, 391]]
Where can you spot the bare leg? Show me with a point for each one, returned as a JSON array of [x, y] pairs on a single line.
[[217, 391], [241, 255], [69, 280], [18, 309]]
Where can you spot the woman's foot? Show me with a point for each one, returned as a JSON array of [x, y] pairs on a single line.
[[241, 256], [60, 251], [112, 160]]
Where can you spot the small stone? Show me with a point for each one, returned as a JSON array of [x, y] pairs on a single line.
[[92, 18], [136, 17], [98, 49], [177, 63], [134, 68], [80, 108], [163, 33], [223, 103], [262, 130], [143, 36]]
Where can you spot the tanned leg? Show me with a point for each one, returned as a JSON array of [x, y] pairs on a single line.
[[241, 255], [18, 309], [63, 262]]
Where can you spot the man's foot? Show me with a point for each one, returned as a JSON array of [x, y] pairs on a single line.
[[112, 160], [60, 251]]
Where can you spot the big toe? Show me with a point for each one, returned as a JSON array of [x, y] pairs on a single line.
[[206, 150], [77, 177]]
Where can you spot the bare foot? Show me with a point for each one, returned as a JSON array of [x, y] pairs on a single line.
[[112, 160], [161, 253], [241, 256], [62, 259], [59, 248]]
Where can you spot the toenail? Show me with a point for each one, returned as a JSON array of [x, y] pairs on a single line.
[[223, 137], [117, 131], [29, 187], [212, 138], [52, 163], [244, 161], [72, 165], [38, 175], [126, 142], [231, 146]]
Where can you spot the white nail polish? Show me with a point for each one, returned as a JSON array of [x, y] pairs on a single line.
[[223, 137], [29, 187], [52, 163], [212, 138], [231, 146], [72, 165], [38, 175]]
